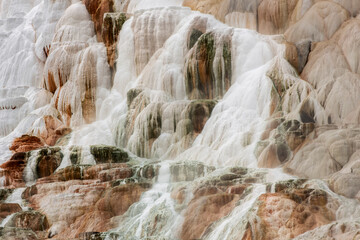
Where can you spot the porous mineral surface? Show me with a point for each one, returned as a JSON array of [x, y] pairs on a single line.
[[179, 119]]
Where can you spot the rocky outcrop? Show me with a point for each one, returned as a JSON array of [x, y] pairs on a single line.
[[207, 206], [109, 154], [212, 199], [90, 197], [288, 136], [107, 24], [54, 130], [29, 220], [48, 160], [208, 67], [111, 27], [145, 122], [90, 211], [199, 112], [108, 172], [97, 9], [9, 233], [12, 170], [7, 209], [64, 72], [26, 143], [4, 193], [290, 211]]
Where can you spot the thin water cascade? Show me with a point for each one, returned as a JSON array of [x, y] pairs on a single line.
[[30, 174], [155, 205], [6, 220], [232, 226], [15, 197]]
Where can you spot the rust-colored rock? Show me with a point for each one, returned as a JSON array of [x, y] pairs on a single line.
[[29, 192], [97, 9], [55, 129], [74, 172], [8, 208], [110, 30], [204, 209], [108, 172], [291, 212], [86, 205], [92, 221], [29, 219], [13, 169], [26, 143], [208, 68], [128, 194], [107, 24]]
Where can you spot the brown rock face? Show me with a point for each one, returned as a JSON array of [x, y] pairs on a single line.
[[108, 172], [97, 9], [203, 79], [212, 200], [29, 219], [8, 208], [55, 129], [4, 193], [93, 221], [110, 30], [128, 194], [48, 161], [204, 209], [199, 112], [26, 143], [13, 169], [85, 195], [107, 24]]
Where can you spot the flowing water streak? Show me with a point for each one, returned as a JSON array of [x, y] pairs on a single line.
[[6, 220], [230, 135], [26, 29], [15, 197], [232, 226], [30, 174], [155, 208]]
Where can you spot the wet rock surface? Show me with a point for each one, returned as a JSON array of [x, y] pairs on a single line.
[[108, 154], [29, 220], [209, 69]]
